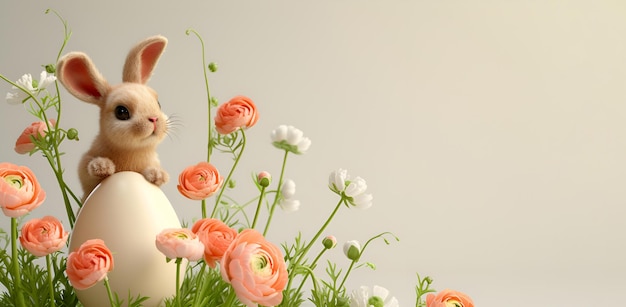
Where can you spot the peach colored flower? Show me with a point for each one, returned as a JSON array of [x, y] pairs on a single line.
[[449, 298], [239, 112], [199, 181], [37, 130], [89, 264], [216, 237], [179, 243], [43, 236], [255, 268], [20, 191]]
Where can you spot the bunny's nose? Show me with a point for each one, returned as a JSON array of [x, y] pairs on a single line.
[[153, 119]]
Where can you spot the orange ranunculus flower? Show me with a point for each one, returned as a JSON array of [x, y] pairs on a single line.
[[239, 112], [199, 181], [24, 144], [89, 264], [179, 243], [216, 237], [20, 191], [255, 268], [449, 298], [43, 236]]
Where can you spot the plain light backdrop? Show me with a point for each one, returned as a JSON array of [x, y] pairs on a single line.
[[492, 134]]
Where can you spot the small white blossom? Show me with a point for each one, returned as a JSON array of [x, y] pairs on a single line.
[[289, 205], [376, 296], [337, 180], [45, 79], [354, 190], [26, 82], [288, 189], [291, 139]]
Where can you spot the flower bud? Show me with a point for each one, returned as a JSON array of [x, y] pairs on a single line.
[[329, 242], [50, 68], [72, 134], [213, 67], [264, 178], [352, 250]]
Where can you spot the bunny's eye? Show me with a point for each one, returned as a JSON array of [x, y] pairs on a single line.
[[122, 113]]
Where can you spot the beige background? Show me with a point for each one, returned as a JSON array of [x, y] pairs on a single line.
[[491, 133]]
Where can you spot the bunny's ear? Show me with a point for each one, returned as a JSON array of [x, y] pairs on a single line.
[[80, 77], [142, 59]]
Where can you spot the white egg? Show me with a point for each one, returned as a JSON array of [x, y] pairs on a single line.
[[127, 213]]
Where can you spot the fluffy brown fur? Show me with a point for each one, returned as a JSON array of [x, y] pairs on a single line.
[[131, 121]]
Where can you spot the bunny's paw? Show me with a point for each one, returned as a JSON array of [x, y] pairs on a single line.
[[156, 176], [101, 167]]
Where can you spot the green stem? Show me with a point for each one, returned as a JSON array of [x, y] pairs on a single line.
[[310, 272], [208, 93], [178, 261], [230, 173], [50, 286], [317, 235], [258, 207], [17, 278], [230, 300], [109, 293], [203, 207], [278, 194], [345, 277]]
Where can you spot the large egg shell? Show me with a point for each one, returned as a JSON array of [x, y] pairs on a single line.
[[127, 212]]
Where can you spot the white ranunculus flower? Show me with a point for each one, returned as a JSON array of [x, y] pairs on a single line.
[[376, 296], [45, 79], [289, 205], [291, 139], [26, 81], [279, 134], [357, 186], [288, 189], [337, 180], [303, 145], [362, 201]]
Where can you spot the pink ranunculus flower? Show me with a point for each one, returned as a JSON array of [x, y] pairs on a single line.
[[255, 268], [89, 264], [20, 191], [216, 237], [199, 181], [449, 298], [43, 236], [37, 130], [179, 243], [239, 112]]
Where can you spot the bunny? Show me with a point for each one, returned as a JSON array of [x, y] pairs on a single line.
[[131, 121]]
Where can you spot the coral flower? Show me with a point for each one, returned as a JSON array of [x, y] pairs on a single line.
[[43, 236], [256, 269], [20, 191], [239, 112], [449, 298], [179, 243], [199, 181], [216, 237], [36, 130], [89, 264]]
